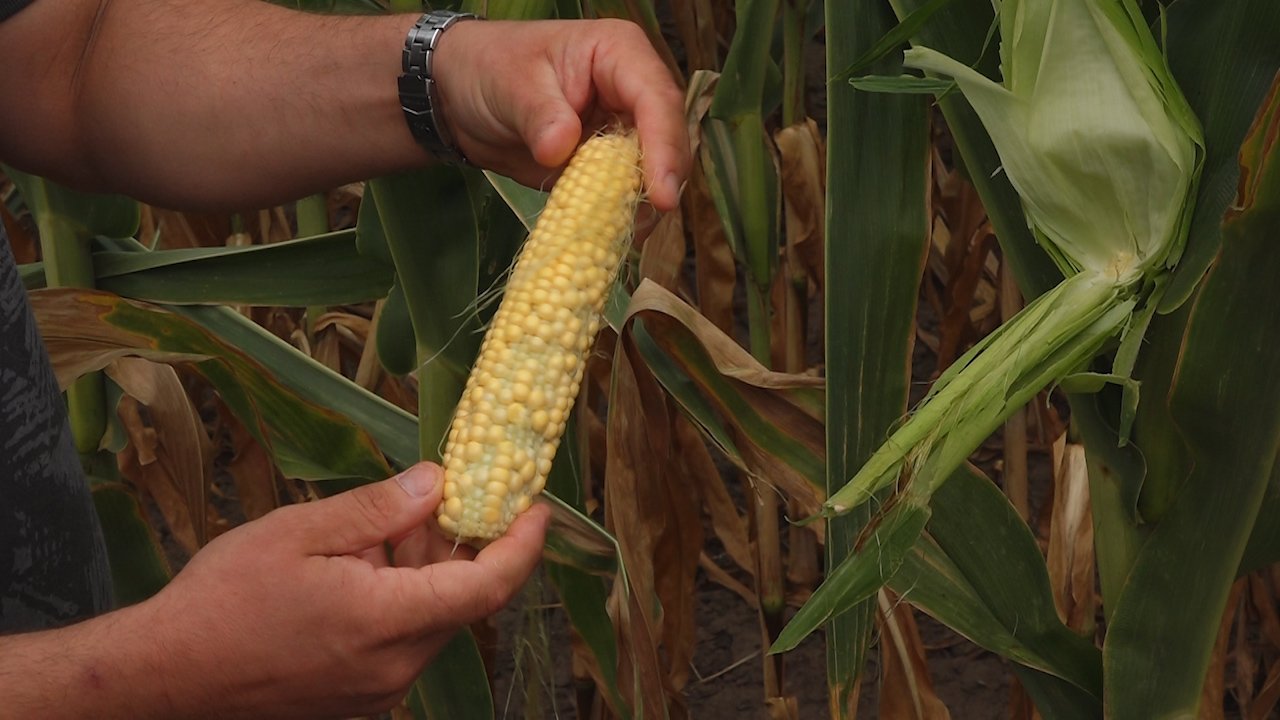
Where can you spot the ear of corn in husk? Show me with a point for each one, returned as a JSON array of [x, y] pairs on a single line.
[[517, 399], [1105, 154]]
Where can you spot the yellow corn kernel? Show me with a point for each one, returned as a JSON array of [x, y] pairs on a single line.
[[532, 367]]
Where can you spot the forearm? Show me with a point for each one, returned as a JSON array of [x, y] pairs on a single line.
[[106, 667], [224, 103]]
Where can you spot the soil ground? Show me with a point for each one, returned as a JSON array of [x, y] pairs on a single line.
[[725, 681]]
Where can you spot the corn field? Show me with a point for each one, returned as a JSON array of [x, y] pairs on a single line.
[[846, 237]]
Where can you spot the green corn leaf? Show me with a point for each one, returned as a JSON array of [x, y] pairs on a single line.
[[995, 554], [860, 575], [393, 429], [319, 270], [84, 214], [430, 227], [1225, 403], [1224, 82], [456, 683], [902, 85], [324, 269], [394, 337], [892, 40], [876, 244], [138, 565], [90, 328], [1264, 542]]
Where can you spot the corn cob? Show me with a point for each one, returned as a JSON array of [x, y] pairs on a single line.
[[508, 423]]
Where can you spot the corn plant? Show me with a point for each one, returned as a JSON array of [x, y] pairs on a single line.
[[691, 397]]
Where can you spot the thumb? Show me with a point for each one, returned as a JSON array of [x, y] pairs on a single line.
[[551, 130], [372, 514]]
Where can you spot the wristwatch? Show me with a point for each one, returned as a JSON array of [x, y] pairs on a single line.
[[418, 95]]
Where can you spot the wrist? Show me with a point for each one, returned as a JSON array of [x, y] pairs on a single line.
[[111, 666], [420, 98]]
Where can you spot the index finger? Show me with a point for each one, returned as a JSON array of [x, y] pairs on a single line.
[[459, 592], [631, 78]]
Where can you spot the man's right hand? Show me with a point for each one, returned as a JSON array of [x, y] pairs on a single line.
[[520, 96]]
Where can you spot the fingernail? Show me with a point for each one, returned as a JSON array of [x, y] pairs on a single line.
[[419, 480]]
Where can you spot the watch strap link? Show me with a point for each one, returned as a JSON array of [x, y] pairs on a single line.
[[418, 91]]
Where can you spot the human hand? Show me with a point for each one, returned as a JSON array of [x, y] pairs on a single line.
[[300, 614], [520, 96]]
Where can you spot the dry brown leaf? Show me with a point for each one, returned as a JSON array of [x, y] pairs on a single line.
[[715, 272], [728, 525], [802, 169], [1264, 704], [1242, 657], [802, 164], [23, 244], [327, 349], [695, 21], [961, 262], [1263, 598], [174, 442], [1215, 679], [650, 521], [719, 576], [782, 708], [729, 357], [250, 467], [665, 316], [354, 327], [137, 462], [78, 343], [967, 265], [1071, 553], [401, 392], [906, 691], [674, 514], [1021, 706], [662, 256], [639, 668]]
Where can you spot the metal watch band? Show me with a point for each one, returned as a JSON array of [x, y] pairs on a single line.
[[418, 95]]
